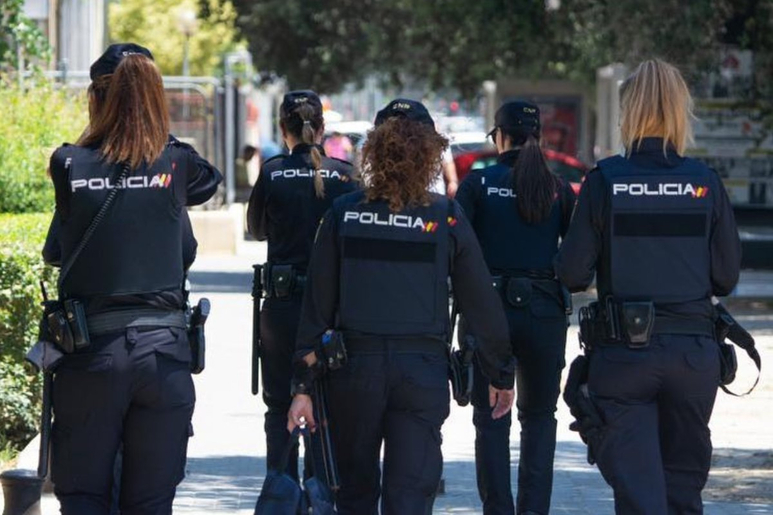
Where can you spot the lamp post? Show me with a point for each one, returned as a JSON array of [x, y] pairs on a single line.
[[187, 23]]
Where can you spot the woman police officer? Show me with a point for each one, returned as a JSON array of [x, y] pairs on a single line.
[[378, 275], [659, 231], [519, 211], [130, 385], [288, 201]]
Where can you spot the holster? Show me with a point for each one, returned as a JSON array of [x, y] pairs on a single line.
[[281, 281], [728, 363], [617, 323], [196, 337], [460, 370], [66, 324]]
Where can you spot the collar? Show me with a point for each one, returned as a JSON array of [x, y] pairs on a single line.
[[652, 145], [305, 148], [508, 157]]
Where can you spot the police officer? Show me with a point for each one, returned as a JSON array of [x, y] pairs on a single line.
[[291, 195], [519, 211], [378, 275], [129, 385], [659, 231]]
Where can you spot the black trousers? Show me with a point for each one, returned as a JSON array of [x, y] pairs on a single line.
[[398, 395], [538, 337], [278, 326], [130, 389], [656, 403]]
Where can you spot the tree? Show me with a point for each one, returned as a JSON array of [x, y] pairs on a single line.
[[16, 30], [154, 24]]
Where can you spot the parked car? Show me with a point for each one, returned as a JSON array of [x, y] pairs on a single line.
[[564, 165]]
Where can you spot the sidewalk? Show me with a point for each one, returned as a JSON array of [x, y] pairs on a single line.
[[226, 462]]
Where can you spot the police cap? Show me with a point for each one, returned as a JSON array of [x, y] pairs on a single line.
[[404, 108], [108, 62], [294, 99], [518, 116]]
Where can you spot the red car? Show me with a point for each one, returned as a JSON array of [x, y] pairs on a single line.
[[563, 165]]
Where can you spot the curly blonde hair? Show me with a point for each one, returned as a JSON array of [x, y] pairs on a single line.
[[400, 160]]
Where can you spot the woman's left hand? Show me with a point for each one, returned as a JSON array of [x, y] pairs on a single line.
[[301, 413]]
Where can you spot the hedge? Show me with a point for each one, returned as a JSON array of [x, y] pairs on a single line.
[[21, 269], [35, 121]]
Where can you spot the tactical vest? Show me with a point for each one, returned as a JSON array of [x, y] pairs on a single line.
[[137, 247], [658, 237], [394, 267]]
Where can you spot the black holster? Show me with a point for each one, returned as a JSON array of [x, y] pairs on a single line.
[[196, 339], [460, 370], [66, 324], [614, 322]]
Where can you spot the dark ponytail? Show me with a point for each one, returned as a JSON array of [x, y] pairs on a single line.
[[303, 123], [534, 184]]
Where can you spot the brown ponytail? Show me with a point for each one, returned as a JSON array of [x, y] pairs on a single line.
[[534, 184], [128, 113], [304, 122]]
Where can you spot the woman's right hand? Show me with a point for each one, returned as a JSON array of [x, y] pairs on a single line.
[[301, 413], [501, 401]]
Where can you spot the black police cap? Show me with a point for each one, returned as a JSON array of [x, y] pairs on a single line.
[[408, 109], [294, 99], [108, 62], [518, 116]]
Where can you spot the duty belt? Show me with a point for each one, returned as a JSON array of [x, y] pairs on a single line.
[[112, 321], [282, 281], [402, 344]]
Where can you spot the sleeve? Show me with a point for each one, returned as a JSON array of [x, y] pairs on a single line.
[[480, 306], [575, 262], [190, 245], [724, 244], [58, 169], [52, 251], [202, 177], [320, 296], [467, 194], [568, 201], [257, 223]]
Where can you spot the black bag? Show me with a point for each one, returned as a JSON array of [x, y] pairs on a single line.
[[282, 495]]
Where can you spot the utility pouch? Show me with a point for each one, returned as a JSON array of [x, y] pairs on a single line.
[[728, 363], [333, 350], [76, 317], [638, 318], [461, 371], [588, 318], [66, 324], [281, 281], [518, 291]]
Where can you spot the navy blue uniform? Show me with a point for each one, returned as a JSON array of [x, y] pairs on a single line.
[[519, 255], [656, 227], [131, 387], [285, 210], [382, 279]]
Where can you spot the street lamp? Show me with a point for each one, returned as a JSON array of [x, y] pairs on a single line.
[[187, 23]]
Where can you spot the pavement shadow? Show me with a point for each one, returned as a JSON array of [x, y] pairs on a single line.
[[221, 282], [742, 475], [221, 483]]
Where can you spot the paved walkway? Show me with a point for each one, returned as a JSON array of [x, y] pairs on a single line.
[[226, 462]]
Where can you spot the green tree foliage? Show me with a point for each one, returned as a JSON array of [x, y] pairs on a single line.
[[21, 267], [458, 43], [18, 30], [155, 24], [35, 121]]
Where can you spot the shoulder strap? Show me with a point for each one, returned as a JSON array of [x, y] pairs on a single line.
[[93, 226]]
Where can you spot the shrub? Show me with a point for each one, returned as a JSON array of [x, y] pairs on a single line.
[[35, 121], [21, 269]]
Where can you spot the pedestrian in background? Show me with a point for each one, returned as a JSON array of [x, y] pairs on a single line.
[[658, 230], [127, 381], [287, 203], [379, 275], [520, 211]]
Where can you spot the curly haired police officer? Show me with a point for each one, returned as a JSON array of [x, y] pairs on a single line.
[[130, 386], [519, 211], [378, 275], [659, 231], [291, 195]]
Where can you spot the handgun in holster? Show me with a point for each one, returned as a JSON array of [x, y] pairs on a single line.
[[196, 338]]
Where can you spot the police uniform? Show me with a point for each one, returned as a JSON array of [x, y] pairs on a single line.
[[655, 227], [381, 278], [285, 210], [131, 386], [520, 259]]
